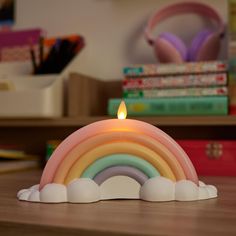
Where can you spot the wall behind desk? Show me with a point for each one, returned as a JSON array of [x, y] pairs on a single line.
[[113, 29]]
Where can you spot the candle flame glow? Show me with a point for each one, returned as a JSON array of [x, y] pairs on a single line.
[[122, 111]]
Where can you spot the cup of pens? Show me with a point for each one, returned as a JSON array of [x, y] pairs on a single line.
[[54, 54]]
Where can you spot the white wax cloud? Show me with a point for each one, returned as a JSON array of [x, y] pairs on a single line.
[[84, 190]]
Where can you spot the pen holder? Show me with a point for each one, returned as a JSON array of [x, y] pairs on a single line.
[[32, 97]]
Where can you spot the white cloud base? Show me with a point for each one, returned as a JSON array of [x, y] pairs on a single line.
[[84, 190]]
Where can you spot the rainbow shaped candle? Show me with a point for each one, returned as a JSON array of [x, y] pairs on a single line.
[[118, 158]]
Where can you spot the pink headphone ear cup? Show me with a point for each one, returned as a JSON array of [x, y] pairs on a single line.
[[170, 48], [204, 47]]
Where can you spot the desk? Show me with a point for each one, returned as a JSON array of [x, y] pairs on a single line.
[[127, 217]]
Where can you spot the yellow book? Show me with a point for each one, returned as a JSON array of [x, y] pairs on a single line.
[[15, 154]]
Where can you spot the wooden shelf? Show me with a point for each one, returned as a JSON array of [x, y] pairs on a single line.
[[87, 103], [158, 121]]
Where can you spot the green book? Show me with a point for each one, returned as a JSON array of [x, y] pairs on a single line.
[[212, 105]]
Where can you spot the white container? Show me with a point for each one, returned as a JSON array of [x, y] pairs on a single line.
[[31, 96]]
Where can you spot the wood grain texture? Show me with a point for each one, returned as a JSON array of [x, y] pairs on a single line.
[[88, 96], [127, 217]]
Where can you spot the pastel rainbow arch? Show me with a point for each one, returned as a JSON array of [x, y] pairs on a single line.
[[118, 147]]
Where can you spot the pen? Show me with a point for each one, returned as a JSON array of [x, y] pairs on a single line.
[[41, 49], [33, 59]]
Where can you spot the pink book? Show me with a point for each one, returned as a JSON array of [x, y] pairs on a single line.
[[177, 81], [15, 45], [211, 157]]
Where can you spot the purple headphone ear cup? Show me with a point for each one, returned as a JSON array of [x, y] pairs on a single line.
[[197, 45], [170, 48]]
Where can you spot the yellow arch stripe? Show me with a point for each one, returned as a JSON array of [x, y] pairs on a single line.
[[118, 148], [103, 138]]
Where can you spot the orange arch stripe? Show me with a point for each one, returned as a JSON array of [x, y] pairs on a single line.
[[118, 148], [103, 138]]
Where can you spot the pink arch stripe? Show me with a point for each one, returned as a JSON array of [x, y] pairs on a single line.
[[113, 125]]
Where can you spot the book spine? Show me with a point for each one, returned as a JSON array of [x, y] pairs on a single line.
[[175, 81], [182, 92], [172, 106], [184, 68]]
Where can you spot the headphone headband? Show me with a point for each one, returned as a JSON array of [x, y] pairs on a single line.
[[184, 7]]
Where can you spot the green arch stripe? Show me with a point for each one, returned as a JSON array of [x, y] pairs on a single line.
[[120, 159]]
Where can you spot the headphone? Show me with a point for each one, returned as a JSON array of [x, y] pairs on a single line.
[[169, 48]]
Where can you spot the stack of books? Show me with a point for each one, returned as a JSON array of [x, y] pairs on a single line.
[[13, 159], [195, 88], [232, 55], [232, 28]]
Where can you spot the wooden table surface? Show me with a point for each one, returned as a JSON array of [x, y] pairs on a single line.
[[120, 217]]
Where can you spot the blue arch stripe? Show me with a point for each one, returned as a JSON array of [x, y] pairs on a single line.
[[120, 159]]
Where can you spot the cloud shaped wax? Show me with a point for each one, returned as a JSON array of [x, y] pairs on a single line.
[[85, 190]]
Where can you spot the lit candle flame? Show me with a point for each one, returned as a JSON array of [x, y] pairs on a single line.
[[122, 111]]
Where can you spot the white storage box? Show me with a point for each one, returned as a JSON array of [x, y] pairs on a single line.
[[31, 96]]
